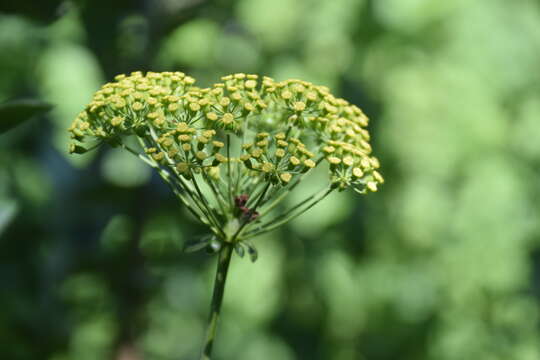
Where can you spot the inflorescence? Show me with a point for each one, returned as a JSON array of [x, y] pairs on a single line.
[[231, 152]]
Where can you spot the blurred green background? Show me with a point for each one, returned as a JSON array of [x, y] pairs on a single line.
[[443, 263]]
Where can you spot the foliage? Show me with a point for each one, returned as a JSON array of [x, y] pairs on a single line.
[[15, 112]]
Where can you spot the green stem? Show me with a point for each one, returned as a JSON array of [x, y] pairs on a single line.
[[217, 195], [167, 178], [246, 221], [210, 212], [229, 177], [280, 220], [217, 298], [196, 198], [286, 191]]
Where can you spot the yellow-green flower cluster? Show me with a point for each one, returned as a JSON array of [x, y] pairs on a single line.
[[338, 129], [277, 156], [243, 126], [133, 103]]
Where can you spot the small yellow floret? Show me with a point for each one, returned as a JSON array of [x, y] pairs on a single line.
[[184, 138], [372, 186], [211, 116], [182, 127], [299, 106], [294, 160], [158, 156], [267, 167], [310, 163], [209, 133], [201, 155], [250, 84], [357, 172], [348, 160], [188, 80], [227, 118], [256, 153], [221, 158], [377, 176], [182, 167], [117, 120], [334, 160], [224, 101], [286, 95], [285, 177]]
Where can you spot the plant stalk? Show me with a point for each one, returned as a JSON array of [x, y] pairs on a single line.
[[224, 260]]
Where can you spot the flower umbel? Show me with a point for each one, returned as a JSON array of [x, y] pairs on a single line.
[[243, 135], [232, 152]]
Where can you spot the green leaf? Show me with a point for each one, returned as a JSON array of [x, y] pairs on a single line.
[[239, 249], [197, 245], [16, 112], [252, 251]]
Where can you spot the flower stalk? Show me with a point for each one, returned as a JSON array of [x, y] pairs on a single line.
[[224, 259]]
